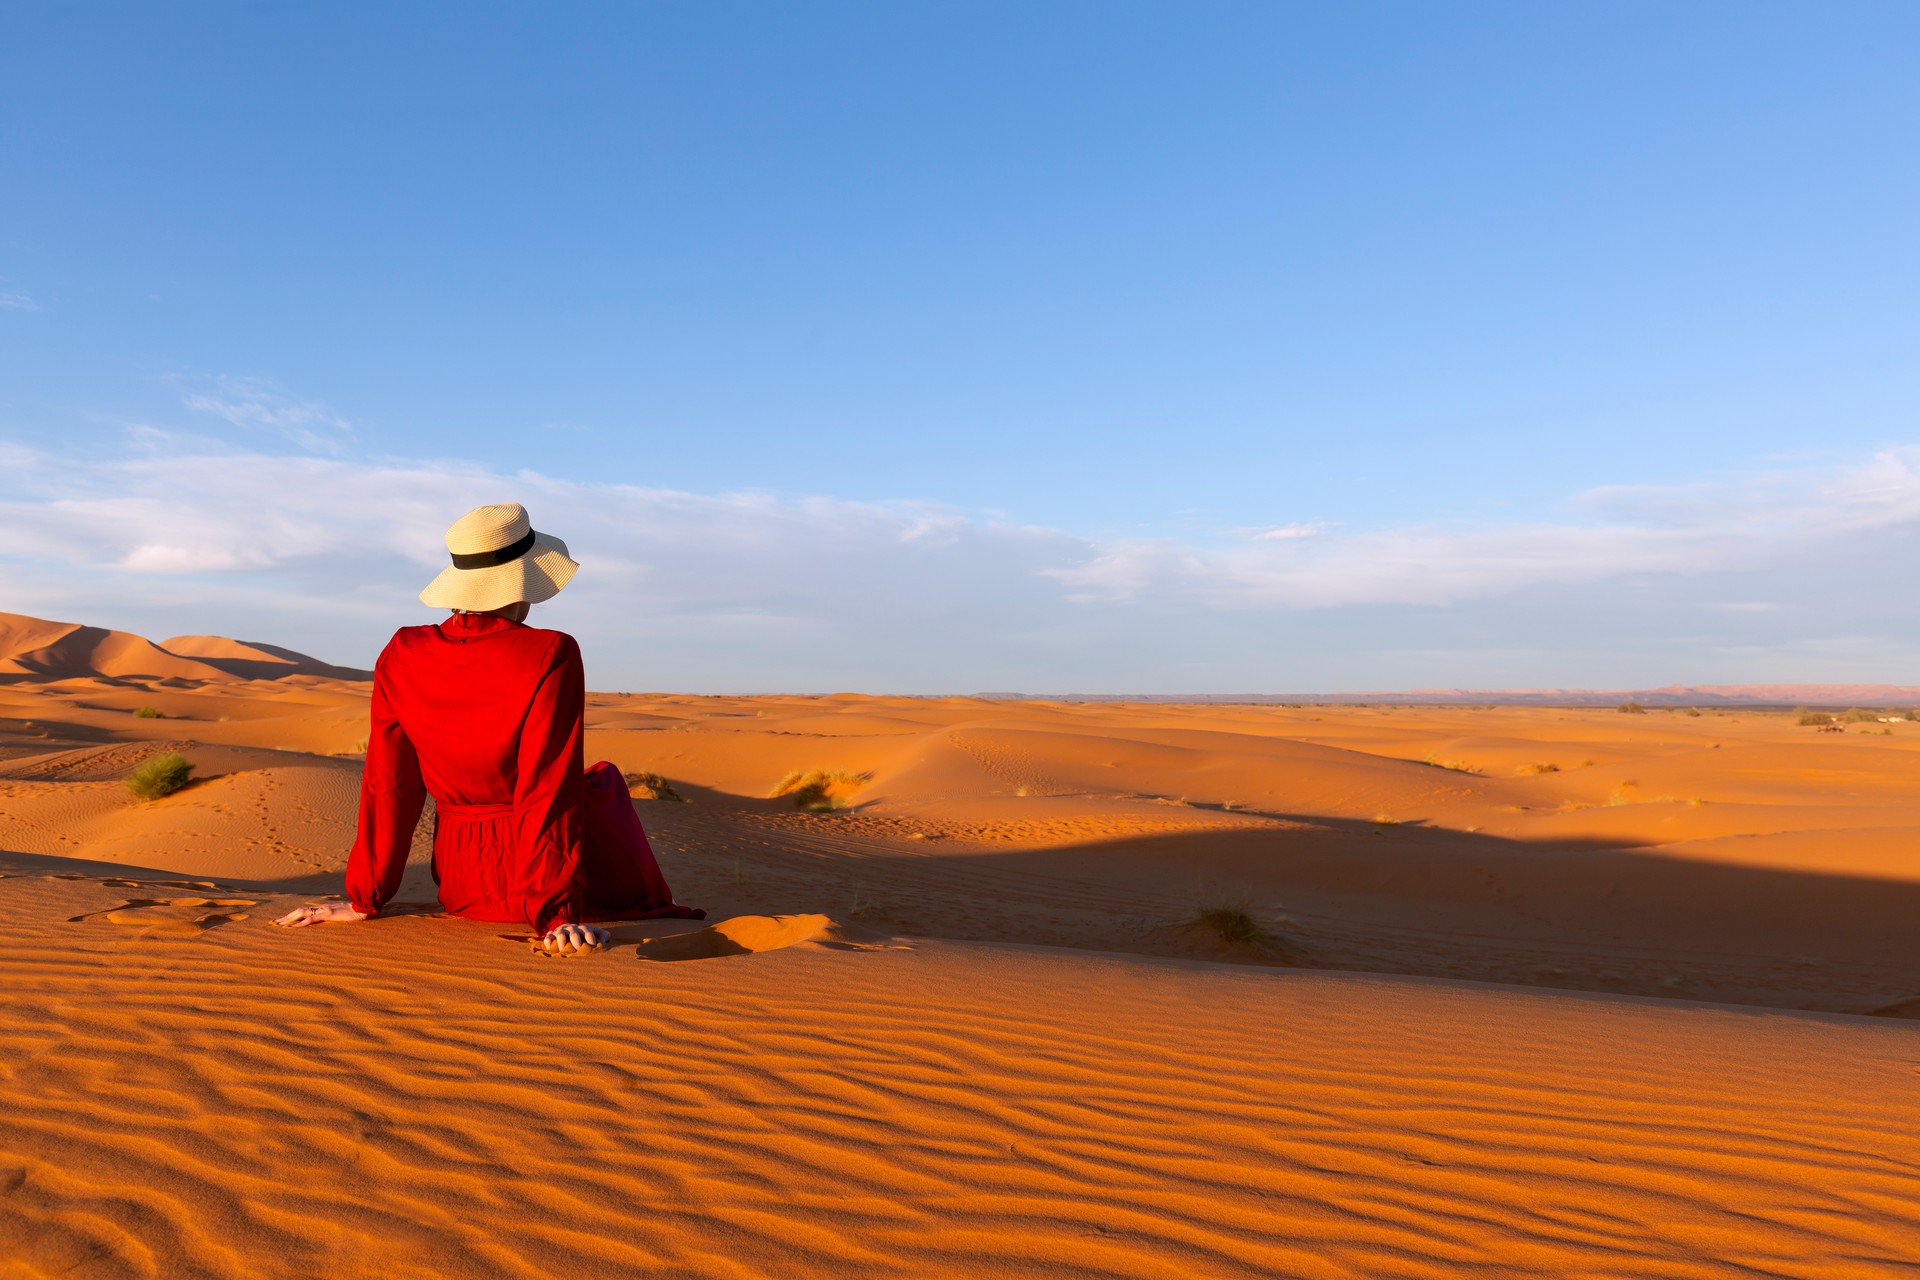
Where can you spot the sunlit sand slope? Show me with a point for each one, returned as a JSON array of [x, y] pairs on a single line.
[[201, 1095], [1727, 856]]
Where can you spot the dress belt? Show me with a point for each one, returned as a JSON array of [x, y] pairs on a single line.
[[472, 811]]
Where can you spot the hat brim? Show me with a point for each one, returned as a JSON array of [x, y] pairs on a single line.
[[534, 577]]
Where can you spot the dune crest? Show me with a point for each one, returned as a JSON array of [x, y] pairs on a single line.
[[38, 649]]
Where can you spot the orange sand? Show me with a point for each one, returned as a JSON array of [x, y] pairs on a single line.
[[865, 1066]]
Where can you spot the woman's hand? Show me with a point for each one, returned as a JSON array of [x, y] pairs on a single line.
[[319, 913], [575, 939]]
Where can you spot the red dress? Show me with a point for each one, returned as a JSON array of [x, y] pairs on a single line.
[[488, 716]]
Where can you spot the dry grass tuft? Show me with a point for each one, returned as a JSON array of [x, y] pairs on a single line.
[[820, 790], [1384, 820], [1540, 766], [1633, 708], [150, 713], [160, 776], [1230, 919], [645, 785], [1808, 716]]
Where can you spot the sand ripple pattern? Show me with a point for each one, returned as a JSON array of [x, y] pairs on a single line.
[[411, 1097]]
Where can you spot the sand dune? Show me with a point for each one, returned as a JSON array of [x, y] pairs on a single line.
[[254, 660], [211, 1097], [40, 650], [970, 1023]]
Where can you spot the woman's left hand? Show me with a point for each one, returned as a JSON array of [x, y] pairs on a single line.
[[319, 913], [575, 939]]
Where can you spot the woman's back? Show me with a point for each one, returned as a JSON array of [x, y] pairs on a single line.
[[471, 694]]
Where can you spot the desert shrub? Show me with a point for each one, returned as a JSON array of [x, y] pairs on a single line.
[[1230, 919], [1632, 708], [1855, 713], [150, 713], [1808, 716], [1692, 711], [160, 776], [821, 790], [1540, 766], [646, 785]]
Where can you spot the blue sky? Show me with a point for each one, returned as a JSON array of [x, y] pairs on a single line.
[[926, 348]]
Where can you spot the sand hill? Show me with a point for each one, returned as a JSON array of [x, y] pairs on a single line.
[[37, 649], [1523, 992], [254, 660]]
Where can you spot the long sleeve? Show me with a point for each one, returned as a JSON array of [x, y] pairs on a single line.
[[391, 797], [550, 793]]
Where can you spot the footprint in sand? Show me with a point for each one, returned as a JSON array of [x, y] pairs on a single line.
[[174, 915]]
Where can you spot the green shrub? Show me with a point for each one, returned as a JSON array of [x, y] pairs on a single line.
[[160, 776], [150, 713], [1855, 713]]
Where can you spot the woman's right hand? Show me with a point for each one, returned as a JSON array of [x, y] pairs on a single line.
[[320, 913], [576, 940]]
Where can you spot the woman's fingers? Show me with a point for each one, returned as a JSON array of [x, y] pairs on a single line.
[[576, 939], [318, 913]]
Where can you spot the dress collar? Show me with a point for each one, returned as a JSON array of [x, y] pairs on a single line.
[[463, 626]]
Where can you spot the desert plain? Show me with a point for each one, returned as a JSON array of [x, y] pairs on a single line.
[[1039, 989]]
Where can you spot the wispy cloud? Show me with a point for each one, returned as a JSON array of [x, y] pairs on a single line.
[[261, 404], [754, 590], [1284, 532], [12, 300], [1733, 523]]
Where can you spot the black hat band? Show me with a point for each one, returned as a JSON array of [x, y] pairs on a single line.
[[499, 556]]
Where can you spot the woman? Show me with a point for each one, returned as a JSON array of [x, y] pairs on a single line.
[[487, 715]]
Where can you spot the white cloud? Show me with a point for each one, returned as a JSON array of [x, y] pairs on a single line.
[[15, 301], [260, 404], [1284, 532], [753, 590], [1732, 524]]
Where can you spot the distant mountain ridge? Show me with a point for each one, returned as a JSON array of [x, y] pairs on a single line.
[[38, 649], [1676, 695]]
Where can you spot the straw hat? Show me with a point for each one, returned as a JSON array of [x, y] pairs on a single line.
[[498, 559]]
